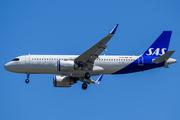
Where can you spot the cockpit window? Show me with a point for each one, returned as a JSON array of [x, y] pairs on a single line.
[[15, 59]]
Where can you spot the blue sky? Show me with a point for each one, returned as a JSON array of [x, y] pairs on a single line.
[[71, 27]]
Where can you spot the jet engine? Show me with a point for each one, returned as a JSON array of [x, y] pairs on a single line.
[[64, 81], [66, 65]]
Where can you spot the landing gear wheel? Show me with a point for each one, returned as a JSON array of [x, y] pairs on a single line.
[[84, 86], [27, 80], [87, 75]]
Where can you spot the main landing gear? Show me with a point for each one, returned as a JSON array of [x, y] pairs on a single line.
[[27, 80], [84, 86]]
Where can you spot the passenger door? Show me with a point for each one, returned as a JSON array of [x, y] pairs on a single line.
[[27, 59], [141, 61]]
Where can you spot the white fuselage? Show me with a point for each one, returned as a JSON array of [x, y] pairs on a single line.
[[47, 64]]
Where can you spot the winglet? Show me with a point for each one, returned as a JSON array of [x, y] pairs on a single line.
[[99, 79], [114, 29]]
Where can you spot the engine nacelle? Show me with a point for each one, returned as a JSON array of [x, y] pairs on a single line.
[[64, 81], [66, 65]]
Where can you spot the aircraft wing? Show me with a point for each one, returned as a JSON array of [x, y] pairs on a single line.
[[91, 54]]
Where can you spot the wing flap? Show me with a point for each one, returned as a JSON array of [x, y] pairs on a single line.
[[94, 56]]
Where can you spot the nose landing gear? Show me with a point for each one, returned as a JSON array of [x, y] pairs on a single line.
[[27, 80]]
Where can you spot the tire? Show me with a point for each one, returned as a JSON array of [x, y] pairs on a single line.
[[27, 81], [87, 75], [84, 86]]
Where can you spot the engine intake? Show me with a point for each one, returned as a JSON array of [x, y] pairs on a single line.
[[64, 81]]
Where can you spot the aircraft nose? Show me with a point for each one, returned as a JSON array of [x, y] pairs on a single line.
[[7, 66], [10, 67]]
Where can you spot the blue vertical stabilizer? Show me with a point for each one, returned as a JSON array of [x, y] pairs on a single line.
[[160, 46]]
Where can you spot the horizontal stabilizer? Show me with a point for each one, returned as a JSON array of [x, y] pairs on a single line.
[[163, 57]]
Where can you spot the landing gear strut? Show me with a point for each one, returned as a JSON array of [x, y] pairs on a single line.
[[27, 80], [84, 86]]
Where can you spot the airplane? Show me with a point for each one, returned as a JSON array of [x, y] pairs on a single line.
[[72, 68]]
